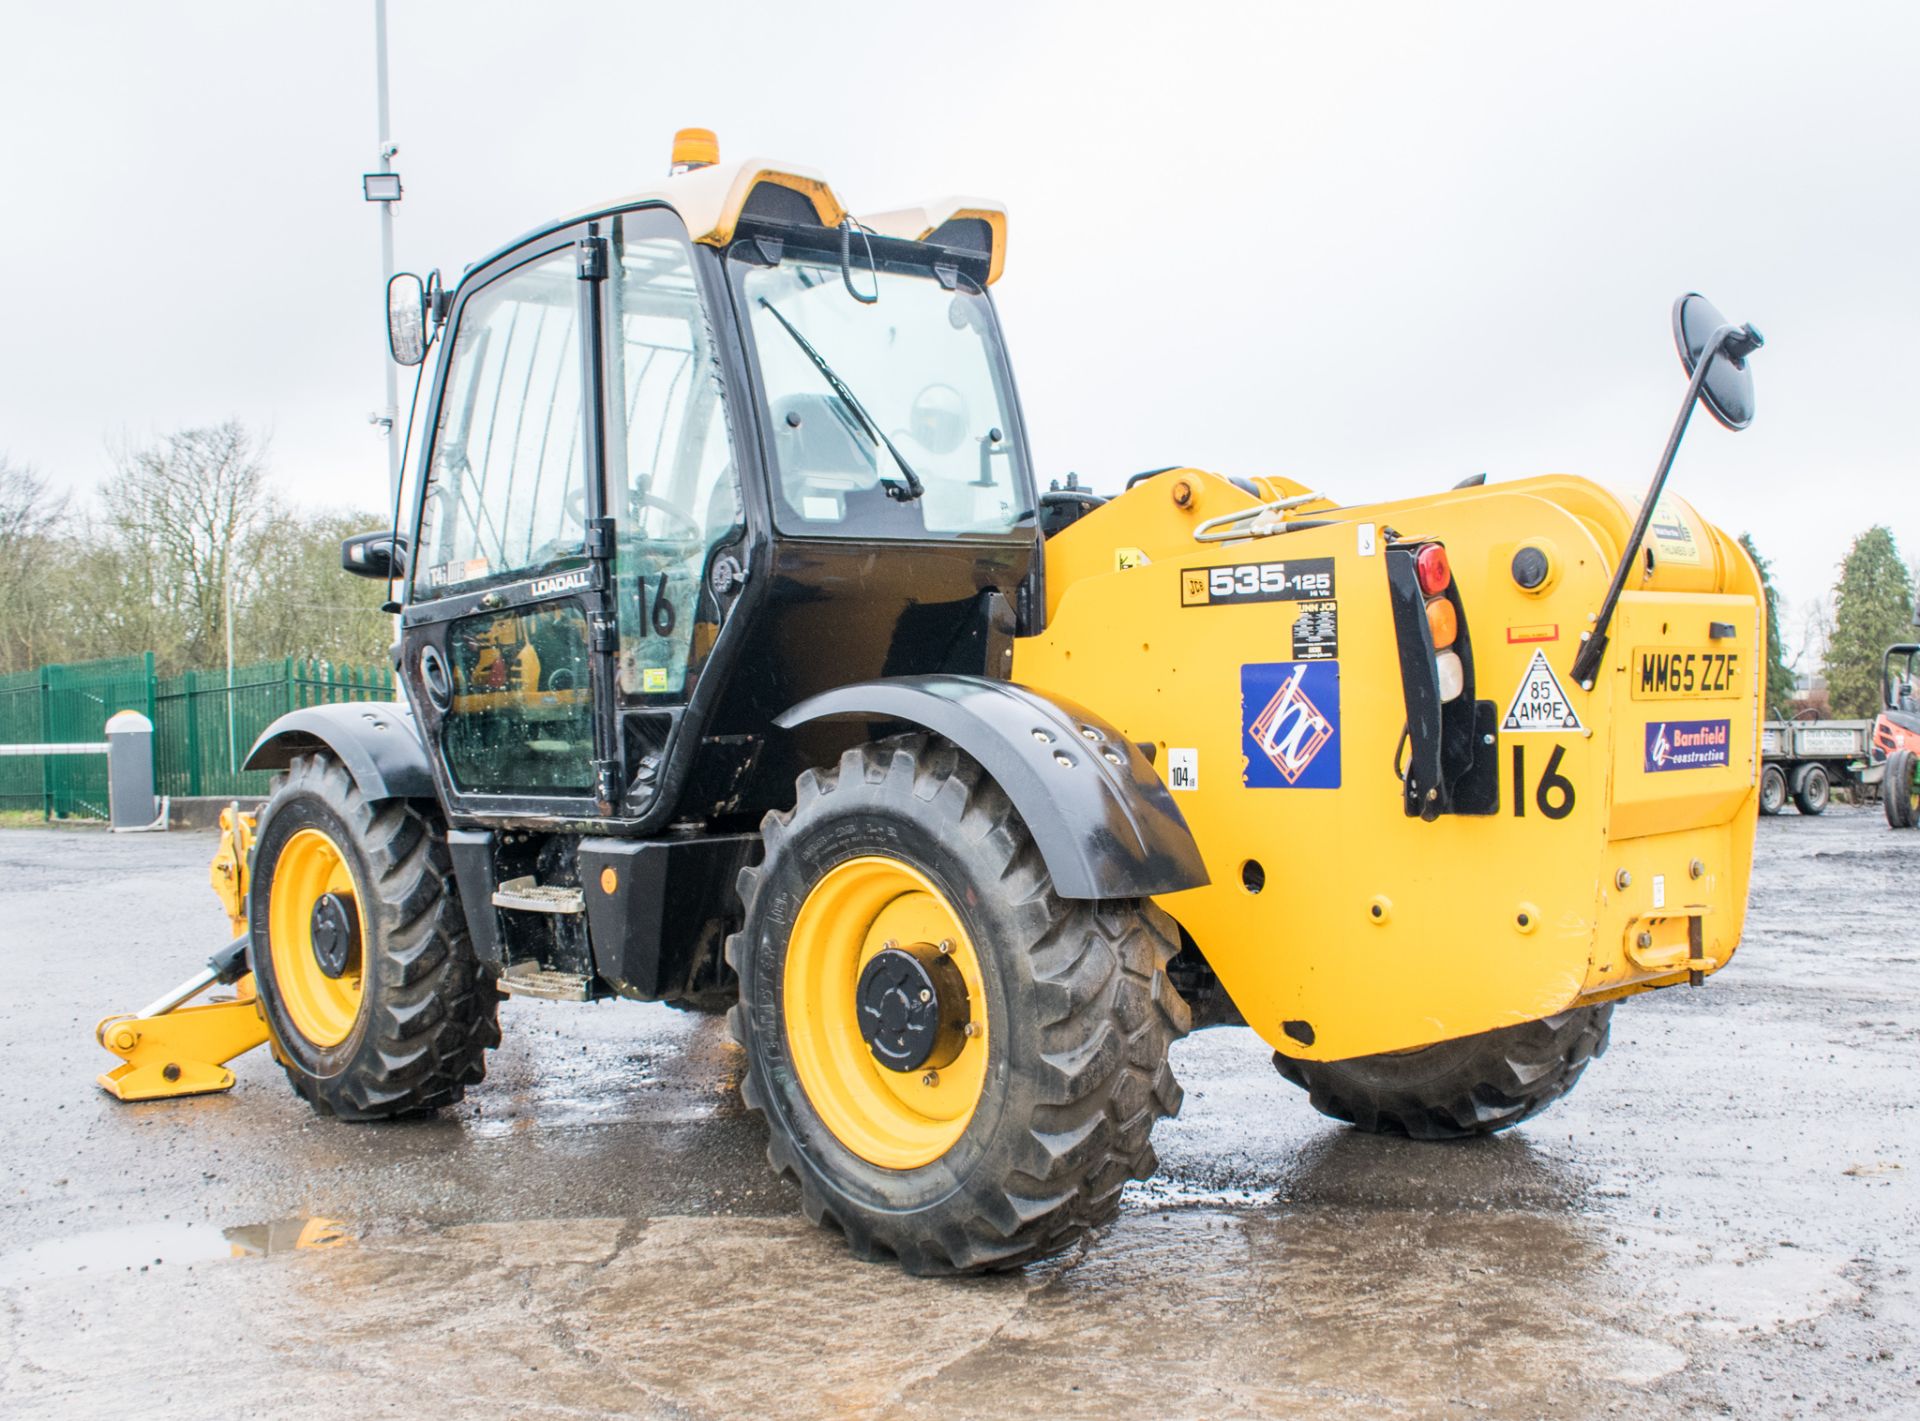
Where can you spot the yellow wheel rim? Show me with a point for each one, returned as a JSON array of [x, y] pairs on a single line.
[[894, 1119], [323, 1009]]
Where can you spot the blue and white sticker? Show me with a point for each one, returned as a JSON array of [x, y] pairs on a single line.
[[1687, 744], [1290, 724]]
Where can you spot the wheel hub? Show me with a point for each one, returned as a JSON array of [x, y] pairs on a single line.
[[913, 1008], [336, 933]]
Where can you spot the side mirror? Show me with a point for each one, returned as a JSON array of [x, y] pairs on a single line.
[[1727, 390], [407, 319], [382, 554]]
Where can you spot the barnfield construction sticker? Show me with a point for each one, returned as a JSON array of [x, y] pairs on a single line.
[[1541, 703], [1687, 744]]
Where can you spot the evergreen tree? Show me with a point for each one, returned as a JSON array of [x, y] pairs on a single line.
[[1872, 606], [1779, 674]]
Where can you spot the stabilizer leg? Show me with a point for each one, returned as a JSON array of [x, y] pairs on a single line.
[[170, 1049]]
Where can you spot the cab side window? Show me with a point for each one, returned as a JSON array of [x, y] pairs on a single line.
[[506, 491], [673, 489]]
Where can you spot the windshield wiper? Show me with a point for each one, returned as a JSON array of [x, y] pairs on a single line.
[[905, 492]]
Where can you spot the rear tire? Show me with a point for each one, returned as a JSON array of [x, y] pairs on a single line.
[[1475, 1085], [1070, 1003], [1812, 790], [1773, 790], [399, 1022], [1899, 795]]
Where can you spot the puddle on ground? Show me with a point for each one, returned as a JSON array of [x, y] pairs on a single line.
[[140, 1248]]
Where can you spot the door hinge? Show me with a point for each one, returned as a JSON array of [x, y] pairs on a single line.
[[605, 633], [606, 781], [591, 253], [600, 539]]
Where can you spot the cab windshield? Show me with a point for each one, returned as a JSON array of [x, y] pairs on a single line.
[[891, 418]]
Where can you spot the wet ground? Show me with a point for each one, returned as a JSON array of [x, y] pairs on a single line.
[[1722, 1220]]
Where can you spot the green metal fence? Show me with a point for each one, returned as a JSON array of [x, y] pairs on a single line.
[[67, 704], [203, 725]]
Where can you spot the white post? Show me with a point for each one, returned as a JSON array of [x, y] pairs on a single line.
[[387, 150]]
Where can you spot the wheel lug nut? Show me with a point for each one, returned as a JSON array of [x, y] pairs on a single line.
[[946, 946], [930, 1078], [970, 1030], [925, 995]]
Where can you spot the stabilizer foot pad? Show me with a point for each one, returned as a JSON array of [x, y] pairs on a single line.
[[180, 1052]]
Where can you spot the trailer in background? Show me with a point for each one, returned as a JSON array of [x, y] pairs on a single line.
[[1802, 760]]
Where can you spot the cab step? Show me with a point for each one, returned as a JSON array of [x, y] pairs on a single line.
[[527, 895], [530, 979]]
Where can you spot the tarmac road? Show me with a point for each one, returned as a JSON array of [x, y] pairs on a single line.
[[1721, 1220]]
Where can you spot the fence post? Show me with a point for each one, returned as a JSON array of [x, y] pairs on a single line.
[[190, 695], [46, 735], [293, 691]]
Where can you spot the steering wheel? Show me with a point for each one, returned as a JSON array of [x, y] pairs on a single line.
[[675, 514]]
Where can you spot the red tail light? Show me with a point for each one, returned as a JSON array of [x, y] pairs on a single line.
[[1433, 570]]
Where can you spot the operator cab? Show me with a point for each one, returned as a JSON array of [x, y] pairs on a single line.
[[690, 458]]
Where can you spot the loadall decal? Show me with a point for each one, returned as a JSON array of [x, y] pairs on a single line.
[[1540, 703], [1290, 724], [1687, 744], [1296, 580]]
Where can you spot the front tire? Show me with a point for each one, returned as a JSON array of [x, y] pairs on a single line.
[[1056, 1015], [1475, 1085], [359, 950], [1812, 789]]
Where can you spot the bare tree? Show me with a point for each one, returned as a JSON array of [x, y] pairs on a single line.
[[181, 509], [30, 520]]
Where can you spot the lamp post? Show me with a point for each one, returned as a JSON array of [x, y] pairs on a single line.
[[382, 186]]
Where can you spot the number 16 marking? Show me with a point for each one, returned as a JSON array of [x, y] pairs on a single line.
[[1554, 796]]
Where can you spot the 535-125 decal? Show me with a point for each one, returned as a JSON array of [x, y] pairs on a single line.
[[1296, 580]]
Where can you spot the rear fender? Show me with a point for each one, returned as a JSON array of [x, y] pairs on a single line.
[[377, 741], [1103, 821]]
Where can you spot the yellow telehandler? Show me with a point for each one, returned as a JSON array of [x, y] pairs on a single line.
[[747, 667]]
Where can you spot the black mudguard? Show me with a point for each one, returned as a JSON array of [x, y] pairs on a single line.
[[1103, 821], [377, 741]]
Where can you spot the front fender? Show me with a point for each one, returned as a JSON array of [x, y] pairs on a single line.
[[1103, 821], [377, 741]]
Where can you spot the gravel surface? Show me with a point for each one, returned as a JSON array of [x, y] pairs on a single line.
[[1722, 1220]]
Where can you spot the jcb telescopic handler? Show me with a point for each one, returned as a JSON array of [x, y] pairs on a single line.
[[748, 667]]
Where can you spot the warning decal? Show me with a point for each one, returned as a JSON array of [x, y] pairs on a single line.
[[1540, 703], [1672, 535], [1316, 632]]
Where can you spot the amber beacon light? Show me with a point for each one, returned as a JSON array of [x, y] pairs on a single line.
[[694, 148]]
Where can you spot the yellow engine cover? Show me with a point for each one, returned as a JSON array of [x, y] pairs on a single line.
[[1266, 674]]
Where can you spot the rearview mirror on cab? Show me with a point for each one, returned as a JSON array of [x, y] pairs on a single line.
[[382, 554], [407, 319]]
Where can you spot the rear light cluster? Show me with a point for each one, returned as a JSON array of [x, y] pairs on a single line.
[[1435, 575]]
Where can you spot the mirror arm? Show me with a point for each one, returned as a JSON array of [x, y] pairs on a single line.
[[1593, 644]]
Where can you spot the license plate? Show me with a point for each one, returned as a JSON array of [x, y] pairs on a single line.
[[1684, 673]]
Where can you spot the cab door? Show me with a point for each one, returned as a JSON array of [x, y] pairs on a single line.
[[507, 635]]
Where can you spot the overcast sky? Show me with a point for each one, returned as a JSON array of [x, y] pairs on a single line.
[[1374, 247]]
